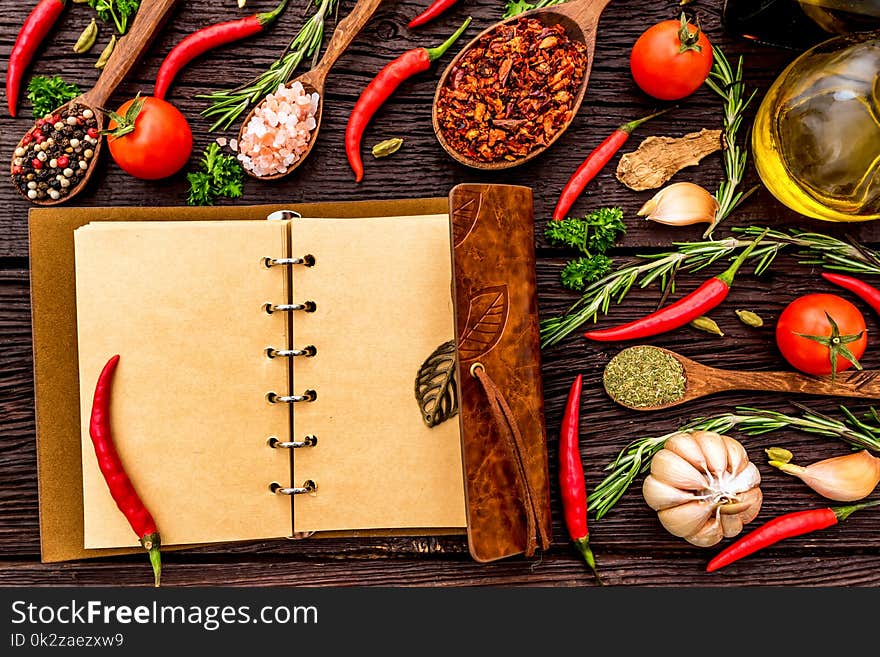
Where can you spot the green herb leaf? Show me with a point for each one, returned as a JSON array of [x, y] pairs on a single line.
[[516, 7], [577, 274], [119, 12], [221, 176], [47, 94]]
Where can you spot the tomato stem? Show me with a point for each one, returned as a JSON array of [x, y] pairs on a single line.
[[688, 40], [836, 344]]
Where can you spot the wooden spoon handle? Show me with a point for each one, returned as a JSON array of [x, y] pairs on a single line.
[[129, 49], [583, 12], [345, 32], [865, 384]]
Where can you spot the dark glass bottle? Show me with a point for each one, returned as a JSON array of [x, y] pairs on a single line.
[[798, 24]]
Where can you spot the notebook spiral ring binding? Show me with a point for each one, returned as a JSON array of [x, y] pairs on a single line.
[[306, 306], [307, 260], [308, 441], [308, 486], [307, 352]]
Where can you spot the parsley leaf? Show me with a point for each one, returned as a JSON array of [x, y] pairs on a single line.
[[592, 235], [516, 7], [221, 175], [120, 12], [47, 94], [577, 274]]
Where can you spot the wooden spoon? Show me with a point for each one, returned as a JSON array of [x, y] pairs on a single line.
[[701, 380], [313, 80], [128, 51], [580, 19]]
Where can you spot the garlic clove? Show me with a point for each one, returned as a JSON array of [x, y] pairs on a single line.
[[745, 480], [733, 508], [754, 498], [681, 204], [715, 450], [737, 457], [731, 525], [686, 447], [710, 533], [686, 519], [660, 495], [841, 478], [676, 471]]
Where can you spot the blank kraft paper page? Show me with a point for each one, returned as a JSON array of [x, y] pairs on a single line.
[[382, 290], [181, 303]]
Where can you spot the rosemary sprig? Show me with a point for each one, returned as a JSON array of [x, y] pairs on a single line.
[[688, 256], [728, 84], [811, 249], [228, 105], [636, 457]]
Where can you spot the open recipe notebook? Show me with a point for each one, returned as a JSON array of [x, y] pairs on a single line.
[[266, 381]]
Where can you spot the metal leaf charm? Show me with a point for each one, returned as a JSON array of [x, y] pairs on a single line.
[[435, 385], [486, 319]]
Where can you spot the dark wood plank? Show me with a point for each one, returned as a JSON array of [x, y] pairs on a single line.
[[821, 569], [421, 167]]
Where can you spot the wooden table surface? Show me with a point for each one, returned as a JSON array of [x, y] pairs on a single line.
[[630, 545]]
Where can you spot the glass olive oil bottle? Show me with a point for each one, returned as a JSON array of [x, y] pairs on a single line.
[[816, 136]]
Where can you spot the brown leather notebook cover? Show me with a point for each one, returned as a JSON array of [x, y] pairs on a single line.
[[503, 434]]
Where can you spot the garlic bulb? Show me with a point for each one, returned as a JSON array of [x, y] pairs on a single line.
[[842, 478], [681, 204], [703, 487]]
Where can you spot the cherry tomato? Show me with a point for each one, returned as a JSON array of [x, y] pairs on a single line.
[[808, 315], [152, 142], [671, 59]]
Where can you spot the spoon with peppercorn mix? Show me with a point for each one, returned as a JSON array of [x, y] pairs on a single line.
[[648, 378], [57, 156], [471, 134]]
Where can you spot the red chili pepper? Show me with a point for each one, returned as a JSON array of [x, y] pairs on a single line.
[[121, 488], [697, 303], [785, 526], [571, 476], [208, 38], [380, 89], [34, 30], [433, 11], [594, 163], [866, 292]]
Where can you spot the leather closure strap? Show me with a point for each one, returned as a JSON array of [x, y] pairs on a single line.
[[510, 431]]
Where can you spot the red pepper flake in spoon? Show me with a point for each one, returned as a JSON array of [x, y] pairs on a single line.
[[511, 92], [121, 488]]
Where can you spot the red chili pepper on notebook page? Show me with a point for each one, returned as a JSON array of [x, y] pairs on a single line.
[[697, 303], [34, 30], [380, 89], [571, 477], [782, 527], [208, 38], [433, 11], [121, 488]]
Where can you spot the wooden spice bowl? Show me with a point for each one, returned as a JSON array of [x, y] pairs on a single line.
[[580, 20]]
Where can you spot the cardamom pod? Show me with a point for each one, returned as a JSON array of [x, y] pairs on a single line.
[[387, 147], [779, 454], [749, 318], [707, 325], [87, 38], [105, 54]]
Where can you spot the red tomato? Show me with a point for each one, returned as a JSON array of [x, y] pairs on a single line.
[[807, 316], [671, 59], [154, 143]]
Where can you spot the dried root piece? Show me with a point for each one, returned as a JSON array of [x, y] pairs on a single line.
[[657, 159]]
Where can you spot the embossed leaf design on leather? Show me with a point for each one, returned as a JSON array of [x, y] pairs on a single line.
[[465, 214], [436, 391], [486, 318]]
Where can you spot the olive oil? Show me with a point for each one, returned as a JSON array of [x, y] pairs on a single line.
[[816, 136]]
